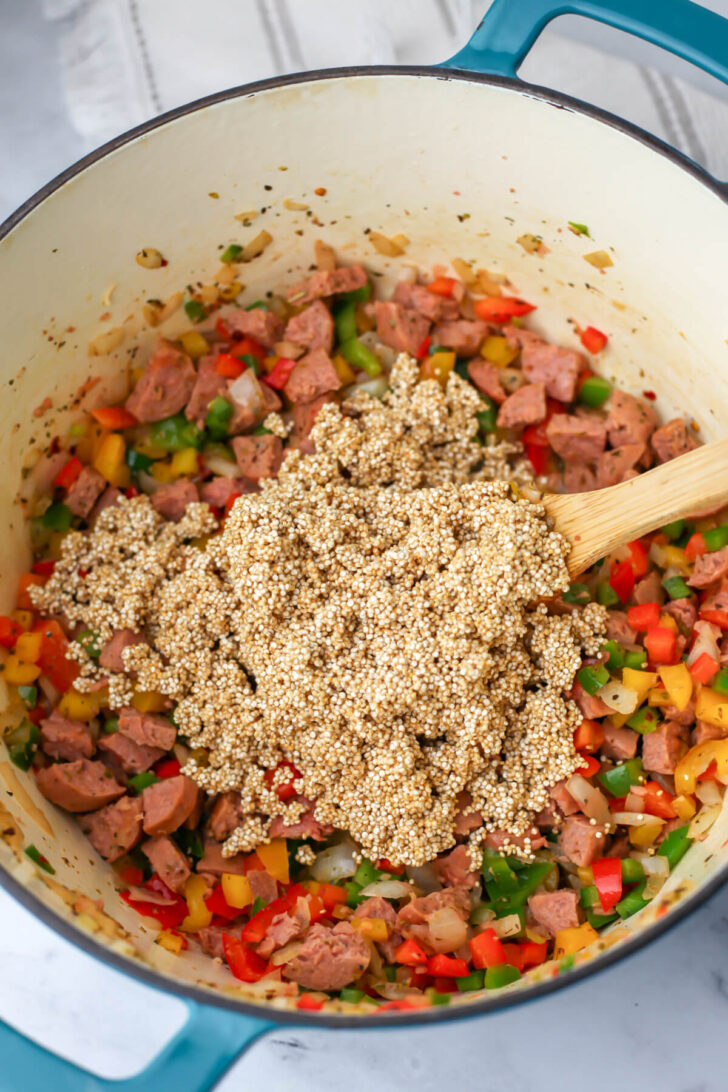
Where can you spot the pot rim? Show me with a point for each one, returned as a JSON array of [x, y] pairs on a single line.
[[419, 1017]]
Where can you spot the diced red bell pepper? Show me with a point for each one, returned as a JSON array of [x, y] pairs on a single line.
[[533, 953], [644, 616], [419, 980], [68, 473], [45, 567], [9, 631], [442, 286], [52, 660], [411, 953], [424, 348], [167, 767], [447, 965], [695, 547], [114, 417], [710, 773], [218, 904], [253, 863], [704, 668], [638, 557], [169, 916], [538, 457], [331, 895], [259, 924], [607, 872], [25, 581], [132, 874], [316, 908], [36, 715], [385, 865], [245, 964], [285, 789], [535, 435], [717, 617], [658, 801], [589, 765], [229, 366], [621, 579], [245, 346], [660, 643], [223, 329], [501, 308], [445, 984], [307, 1003], [402, 1004], [589, 736], [487, 950], [592, 339], [281, 373], [514, 955], [616, 803]]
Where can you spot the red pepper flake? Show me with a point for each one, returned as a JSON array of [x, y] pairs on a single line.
[[649, 394]]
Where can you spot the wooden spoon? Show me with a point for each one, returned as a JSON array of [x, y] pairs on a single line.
[[596, 523]]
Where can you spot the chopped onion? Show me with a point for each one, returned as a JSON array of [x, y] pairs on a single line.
[[708, 792], [618, 696], [387, 889], [287, 953], [49, 691], [657, 869], [448, 931], [425, 878], [592, 802], [246, 392], [147, 483], [335, 863], [706, 641], [385, 353], [635, 819], [658, 554], [227, 468], [507, 926], [701, 823], [634, 801], [374, 387], [482, 914], [141, 894]]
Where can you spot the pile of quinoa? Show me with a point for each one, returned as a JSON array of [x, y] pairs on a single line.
[[375, 615]]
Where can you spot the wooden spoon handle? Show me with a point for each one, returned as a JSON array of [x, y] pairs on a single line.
[[596, 523]]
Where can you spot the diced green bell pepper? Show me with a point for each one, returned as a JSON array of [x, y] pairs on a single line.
[[218, 417], [175, 433], [577, 593], [620, 779], [136, 461], [250, 361], [352, 995], [501, 975], [35, 855], [474, 981], [190, 842], [673, 530], [57, 518], [90, 642], [353, 898], [142, 781], [635, 658], [439, 998], [616, 655], [716, 538], [28, 695], [356, 352], [195, 310], [719, 683], [231, 253], [676, 587], [645, 720], [487, 416], [21, 743], [111, 725], [632, 870], [366, 873], [345, 321], [358, 295], [605, 594], [598, 921], [500, 874], [675, 846], [632, 902], [594, 391], [258, 305], [589, 896], [592, 677]]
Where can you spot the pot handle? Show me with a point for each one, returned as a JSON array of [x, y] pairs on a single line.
[[193, 1061], [510, 27]]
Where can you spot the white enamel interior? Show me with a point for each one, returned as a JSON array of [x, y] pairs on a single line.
[[462, 169]]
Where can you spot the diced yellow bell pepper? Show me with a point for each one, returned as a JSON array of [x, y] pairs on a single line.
[[344, 370], [146, 447], [200, 756], [496, 350], [685, 807], [363, 321], [697, 760], [438, 366], [274, 858], [24, 618], [162, 472], [185, 462], [674, 555], [88, 445], [149, 701], [585, 874], [640, 681], [618, 720], [199, 916], [55, 544], [110, 463], [679, 684], [711, 707], [658, 696], [340, 912], [569, 941], [645, 835], [75, 706], [269, 362], [194, 344], [173, 942], [236, 890], [230, 291], [312, 886], [28, 647], [18, 673], [668, 622], [371, 928]]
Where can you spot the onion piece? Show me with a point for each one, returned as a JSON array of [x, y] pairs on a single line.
[[708, 792], [387, 889], [618, 696], [706, 641], [141, 894], [701, 823], [246, 392], [635, 819], [147, 483], [424, 877], [374, 387], [385, 353], [507, 926], [448, 931], [657, 870], [49, 691], [226, 468], [592, 802], [482, 914], [335, 863], [287, 953]]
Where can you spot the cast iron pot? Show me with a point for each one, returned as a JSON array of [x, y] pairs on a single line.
[[463, 159]]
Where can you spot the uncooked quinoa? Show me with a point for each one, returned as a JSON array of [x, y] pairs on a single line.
[[370, 614]]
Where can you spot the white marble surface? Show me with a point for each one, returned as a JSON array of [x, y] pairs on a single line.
[[655, 1022]]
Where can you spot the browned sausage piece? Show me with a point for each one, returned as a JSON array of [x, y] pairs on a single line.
[[115, 829], [85, 491], [128, 756], [171, 500], [79, 786], [330, 958], [147, 729], [168, 803], [110, 657], [555, 910], [165, 387], [67, 739], [168, 861]]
